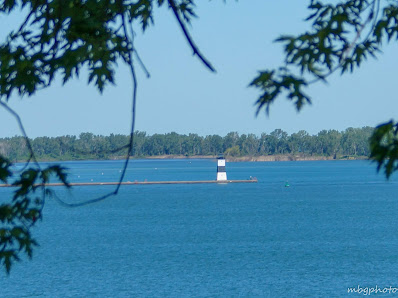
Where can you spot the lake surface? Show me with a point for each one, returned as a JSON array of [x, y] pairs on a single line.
[[335, 227]]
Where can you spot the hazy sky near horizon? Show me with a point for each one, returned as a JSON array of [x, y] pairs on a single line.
[[183, 96]]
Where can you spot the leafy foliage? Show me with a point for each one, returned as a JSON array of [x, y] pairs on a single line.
[[341, 37], [18, 216], [59, 38], [384, 147]]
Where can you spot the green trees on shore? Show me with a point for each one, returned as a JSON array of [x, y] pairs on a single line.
[[329, 143]]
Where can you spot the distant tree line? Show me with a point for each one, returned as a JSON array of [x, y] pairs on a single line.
[[329, 143]]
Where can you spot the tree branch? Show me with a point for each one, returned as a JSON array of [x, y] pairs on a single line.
[[129, 61], [188, 37]]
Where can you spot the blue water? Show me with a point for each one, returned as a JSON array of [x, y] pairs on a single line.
[[335, 227]]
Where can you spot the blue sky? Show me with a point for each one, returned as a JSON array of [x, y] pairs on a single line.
[[183, 96]]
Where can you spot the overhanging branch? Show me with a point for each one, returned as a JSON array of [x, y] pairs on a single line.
[[188, 37]]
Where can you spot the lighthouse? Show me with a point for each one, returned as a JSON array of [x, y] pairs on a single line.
[[221, 174]]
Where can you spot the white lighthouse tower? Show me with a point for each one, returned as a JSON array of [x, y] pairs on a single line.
[[221, 174]]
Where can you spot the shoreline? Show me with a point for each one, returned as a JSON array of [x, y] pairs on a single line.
[[260, 158]]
